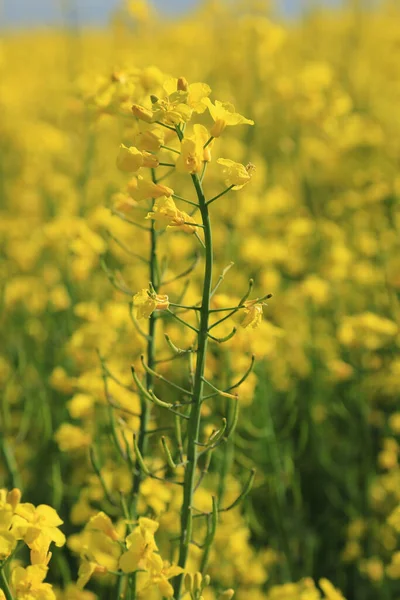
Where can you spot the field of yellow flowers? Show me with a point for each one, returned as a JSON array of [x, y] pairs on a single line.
[[167, 428]]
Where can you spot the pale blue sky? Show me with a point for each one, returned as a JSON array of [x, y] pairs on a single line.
[[38, 12]]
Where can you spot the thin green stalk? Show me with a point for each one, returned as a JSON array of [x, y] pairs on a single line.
[[228, 189], [195, 413], [4, 585], [144, 406], [10, 462]]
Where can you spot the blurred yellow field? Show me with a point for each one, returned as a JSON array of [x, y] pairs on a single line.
[[200, 282]]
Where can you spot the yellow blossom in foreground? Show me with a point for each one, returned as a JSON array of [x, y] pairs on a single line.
[[146, 302], [8, 503], [38, 526], [193, 154], [86, 569], [331, 593], [131, 159], [102, 522], [254, 313], [159, 574], [99, 550], [166, 215], [223, 114], [141, 547], [27, 584], [236, 174]]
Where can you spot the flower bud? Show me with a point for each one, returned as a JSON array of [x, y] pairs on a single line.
[[14, 497], [142, 113], [182, 85], [188, 582], [206, 581], [197, 581]]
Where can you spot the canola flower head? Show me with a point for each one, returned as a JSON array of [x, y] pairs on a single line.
[[37, 526], [141, 547], [28, 583]]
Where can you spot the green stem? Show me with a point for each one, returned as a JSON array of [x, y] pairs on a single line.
[[4, 585], [228, 189], [170, 149], [10, 462], [195, 413], [144, 406]]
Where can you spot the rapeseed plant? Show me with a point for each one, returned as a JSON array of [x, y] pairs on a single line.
[[102, 268]]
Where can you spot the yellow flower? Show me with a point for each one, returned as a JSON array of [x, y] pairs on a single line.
[[236, 174], [147, 301], [40, 556], [141, 189], [159, 574], [149, 138], [27, 584], [73, 592], [86, 569], [196, 92], [8, 503], [141, 547], [101, 522], [193, 154], [254, 313], [38, 526], [142, 113], [173, 108], [331, 593], [131, 159], [223, 114], [166, 215]]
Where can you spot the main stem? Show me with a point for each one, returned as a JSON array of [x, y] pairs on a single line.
[[4, 585], [195, 414], [144, 409]]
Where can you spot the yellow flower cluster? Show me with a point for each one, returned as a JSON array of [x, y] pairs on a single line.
[[316, 224], [37, 527]]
